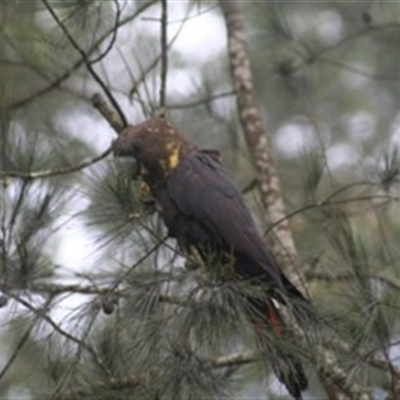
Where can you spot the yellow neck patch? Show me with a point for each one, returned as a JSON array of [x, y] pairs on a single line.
[[173, 158]]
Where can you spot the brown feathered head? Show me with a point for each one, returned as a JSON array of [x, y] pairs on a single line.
[[155, 144]]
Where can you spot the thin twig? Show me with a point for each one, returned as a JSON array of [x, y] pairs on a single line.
[[138, 97], [18, 204], [201, 102], [180, 20], [110, 45], [58, 81], [137, 263], [394, 283], [41, 313], [164, 54], [325, 203], [366, 31], [87, 62], [111, 117], [17, 350], [357, 71], [154, 63], [54, 172], [73, 365], [117, 383], [236, 359]]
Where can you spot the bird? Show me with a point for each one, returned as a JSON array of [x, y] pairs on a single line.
[[203, 208]]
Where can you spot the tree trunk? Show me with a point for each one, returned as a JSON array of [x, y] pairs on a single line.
[[336, 382]]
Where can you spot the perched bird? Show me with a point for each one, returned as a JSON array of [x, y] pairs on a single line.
[[202, 207]]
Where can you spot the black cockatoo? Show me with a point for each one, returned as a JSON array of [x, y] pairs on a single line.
[[202, 207]]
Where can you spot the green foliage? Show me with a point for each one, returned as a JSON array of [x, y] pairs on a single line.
[[314, 171], [115, 206], [389, 175]]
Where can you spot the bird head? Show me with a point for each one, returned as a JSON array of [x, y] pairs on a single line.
[[156, 145]]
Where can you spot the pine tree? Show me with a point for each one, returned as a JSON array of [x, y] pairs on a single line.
[[137, 318]]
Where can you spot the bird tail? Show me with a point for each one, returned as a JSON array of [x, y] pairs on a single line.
[[290, 372], [286, 366], [301, 308]]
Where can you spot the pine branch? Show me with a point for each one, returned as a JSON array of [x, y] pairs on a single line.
[[157, 59], [133, 381], [357, 35], [62, 78], [54, 289], [337, 382], [236, 359], [87, 63], [27, 176], [358, 71], [16, 351], [379, 199], [41, 314], [376, 360], [123, 383], [394, 283], [111, 117]]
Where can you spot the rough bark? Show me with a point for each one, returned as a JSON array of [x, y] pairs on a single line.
[[257, 140]]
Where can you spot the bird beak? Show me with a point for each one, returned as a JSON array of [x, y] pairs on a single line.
[[124, 160], [121, 147], [128, 166]]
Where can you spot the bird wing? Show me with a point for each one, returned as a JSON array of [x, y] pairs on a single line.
[[203, 191]]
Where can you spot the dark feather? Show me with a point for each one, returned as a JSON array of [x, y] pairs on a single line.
[[205, 194], [210, 210]]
